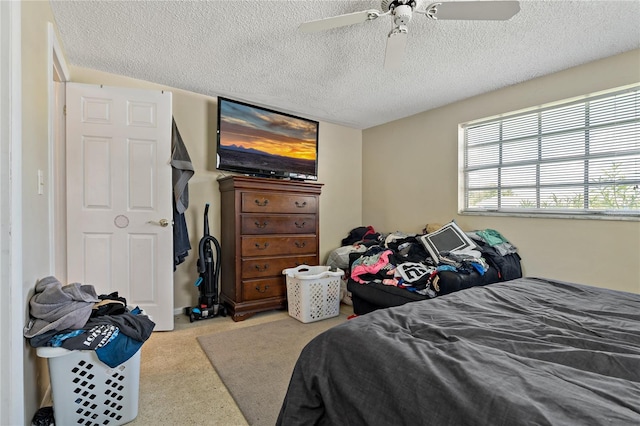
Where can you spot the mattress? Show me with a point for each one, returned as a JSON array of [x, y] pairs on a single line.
[[371, 296]]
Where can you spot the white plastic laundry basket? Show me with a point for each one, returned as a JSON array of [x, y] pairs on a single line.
[[87, 392], [313, 292]]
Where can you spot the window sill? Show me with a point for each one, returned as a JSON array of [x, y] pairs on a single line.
[[572, 216]]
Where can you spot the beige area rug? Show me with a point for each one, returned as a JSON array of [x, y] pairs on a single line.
[[255, 363]]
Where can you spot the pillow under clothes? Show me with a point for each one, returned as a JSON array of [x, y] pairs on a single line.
[[339, 257], [431, 227], [446, 239]]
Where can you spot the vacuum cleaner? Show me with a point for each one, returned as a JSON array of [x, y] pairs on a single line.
[[207, 282]]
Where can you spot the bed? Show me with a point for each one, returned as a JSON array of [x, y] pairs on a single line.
[[497, 260], [526, 351]]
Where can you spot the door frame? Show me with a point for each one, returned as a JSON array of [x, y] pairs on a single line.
[[11, 298], [57, 76]]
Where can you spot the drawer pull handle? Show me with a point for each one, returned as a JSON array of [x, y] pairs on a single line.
[[262, 268], [300, 244], [301, 205], [260, 225], [264, 247], [266, 287], [300, 225], [261, 203]]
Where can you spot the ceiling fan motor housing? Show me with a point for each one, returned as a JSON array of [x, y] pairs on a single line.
[[387, 5], [402, 15]]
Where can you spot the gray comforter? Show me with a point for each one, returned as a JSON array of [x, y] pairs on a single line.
[[522, 352]]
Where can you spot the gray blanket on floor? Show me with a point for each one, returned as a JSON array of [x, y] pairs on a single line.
[[527, 351]]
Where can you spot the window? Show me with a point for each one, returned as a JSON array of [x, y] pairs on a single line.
[[578, 158]]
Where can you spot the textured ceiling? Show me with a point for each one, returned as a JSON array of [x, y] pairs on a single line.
[[253, 51]]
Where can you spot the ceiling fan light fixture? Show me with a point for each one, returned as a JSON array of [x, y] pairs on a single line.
[[402, 15]]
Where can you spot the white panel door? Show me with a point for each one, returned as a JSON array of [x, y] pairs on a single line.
[[119, 208]]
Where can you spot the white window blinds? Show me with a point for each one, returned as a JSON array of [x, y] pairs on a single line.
[[580, 157]]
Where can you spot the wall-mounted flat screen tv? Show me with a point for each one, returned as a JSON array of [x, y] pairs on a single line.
[[258, 141]]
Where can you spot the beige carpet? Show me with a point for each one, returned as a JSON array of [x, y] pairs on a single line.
[[255, 363]]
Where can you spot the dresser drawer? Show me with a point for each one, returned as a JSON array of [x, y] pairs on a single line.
[[273, 266], [278, 245], [263, 288], [288, 224], [266, 202]]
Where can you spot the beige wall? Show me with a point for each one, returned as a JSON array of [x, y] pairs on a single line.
[[35, 208], [339, 170], [410, 179]]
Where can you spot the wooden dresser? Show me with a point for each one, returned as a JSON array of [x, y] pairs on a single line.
[[267, 225]]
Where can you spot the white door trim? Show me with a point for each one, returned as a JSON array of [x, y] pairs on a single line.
[[57, 71], [12, 298]]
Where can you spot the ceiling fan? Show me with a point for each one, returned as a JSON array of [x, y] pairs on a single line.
[[402, 10]]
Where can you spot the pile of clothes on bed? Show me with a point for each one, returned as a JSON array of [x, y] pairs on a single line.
[[393, 269], [74, 317]]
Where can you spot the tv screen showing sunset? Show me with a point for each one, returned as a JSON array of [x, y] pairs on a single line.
[[256, 138]]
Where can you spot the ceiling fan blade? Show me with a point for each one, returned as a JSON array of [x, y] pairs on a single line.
[[473, 10], [396, 43], [339, 21]]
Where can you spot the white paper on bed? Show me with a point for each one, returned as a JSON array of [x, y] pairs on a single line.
[[448, 239]]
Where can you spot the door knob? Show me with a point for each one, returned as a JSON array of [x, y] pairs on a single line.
[[162, 222]]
